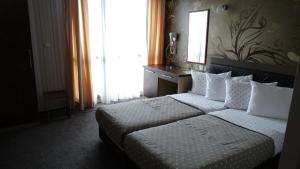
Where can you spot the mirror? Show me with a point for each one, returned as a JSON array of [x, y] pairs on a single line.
[[197, 39]]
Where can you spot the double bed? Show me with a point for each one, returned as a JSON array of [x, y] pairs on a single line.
[[117, 120], [217, 140], [190, 131]]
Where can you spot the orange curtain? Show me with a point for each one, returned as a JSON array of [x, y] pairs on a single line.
[[155, 31], [77, 62]]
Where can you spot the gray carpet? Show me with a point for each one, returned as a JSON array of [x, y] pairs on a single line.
[[61, 144]]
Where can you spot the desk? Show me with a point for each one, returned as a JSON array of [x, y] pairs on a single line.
[[160, 80]]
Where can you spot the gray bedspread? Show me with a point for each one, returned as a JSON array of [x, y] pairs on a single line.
[[203, 142], [120, 119]]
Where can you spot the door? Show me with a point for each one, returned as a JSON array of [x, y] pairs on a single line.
[[19, 101]]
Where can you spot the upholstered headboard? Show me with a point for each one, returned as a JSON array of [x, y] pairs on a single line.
[[261, 73]]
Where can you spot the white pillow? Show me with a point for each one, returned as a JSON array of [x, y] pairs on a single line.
[[247, 78], [199, 82], [270, 101], [238, 94], [215, 86]]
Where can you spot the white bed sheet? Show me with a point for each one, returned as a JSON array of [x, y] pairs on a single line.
[[199, 101], [274, 128]]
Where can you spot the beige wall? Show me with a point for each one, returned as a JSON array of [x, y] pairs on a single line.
[[278, 33]]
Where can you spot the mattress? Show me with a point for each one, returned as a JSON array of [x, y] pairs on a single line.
[[119, 119], [273, 128], [199, 101], [201, 142]]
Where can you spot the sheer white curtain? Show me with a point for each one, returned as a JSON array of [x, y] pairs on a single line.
[[118, 48]]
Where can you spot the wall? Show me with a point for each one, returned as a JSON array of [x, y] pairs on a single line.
[[47, 32], [290, 156], [269, 29]]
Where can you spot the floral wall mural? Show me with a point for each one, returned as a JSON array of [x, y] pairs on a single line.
[[250, 31], [245, 46]]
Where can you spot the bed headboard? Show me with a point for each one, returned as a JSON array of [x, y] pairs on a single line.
[[261, 72]]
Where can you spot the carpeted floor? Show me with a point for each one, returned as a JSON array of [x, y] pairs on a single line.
[[61, 144]]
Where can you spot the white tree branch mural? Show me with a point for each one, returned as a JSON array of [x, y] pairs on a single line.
[[246, 40]]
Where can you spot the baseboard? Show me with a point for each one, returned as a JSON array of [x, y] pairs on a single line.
[[18, 127]]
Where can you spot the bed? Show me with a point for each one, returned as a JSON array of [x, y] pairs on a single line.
[[174, 144], [218, 140], [117, 120]]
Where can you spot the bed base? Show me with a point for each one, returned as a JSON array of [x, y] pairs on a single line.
[[129, 164], [271, 163]]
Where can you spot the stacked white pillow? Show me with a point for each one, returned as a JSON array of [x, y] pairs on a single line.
[[238, 93], [247, 78], [215, 86], [199, 81], [270, 101], [259, 99]]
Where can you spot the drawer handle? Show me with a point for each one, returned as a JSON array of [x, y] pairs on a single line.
[[170, 77], [149, 71]]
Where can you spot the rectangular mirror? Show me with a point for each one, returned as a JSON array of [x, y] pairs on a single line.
[[197, 39]]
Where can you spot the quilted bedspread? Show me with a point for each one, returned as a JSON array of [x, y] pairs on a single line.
[[120, 119], [203, 142]]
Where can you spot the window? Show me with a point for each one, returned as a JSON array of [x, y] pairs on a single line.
[[118, 48]]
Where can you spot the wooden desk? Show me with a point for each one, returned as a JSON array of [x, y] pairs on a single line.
[[160, 80]]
